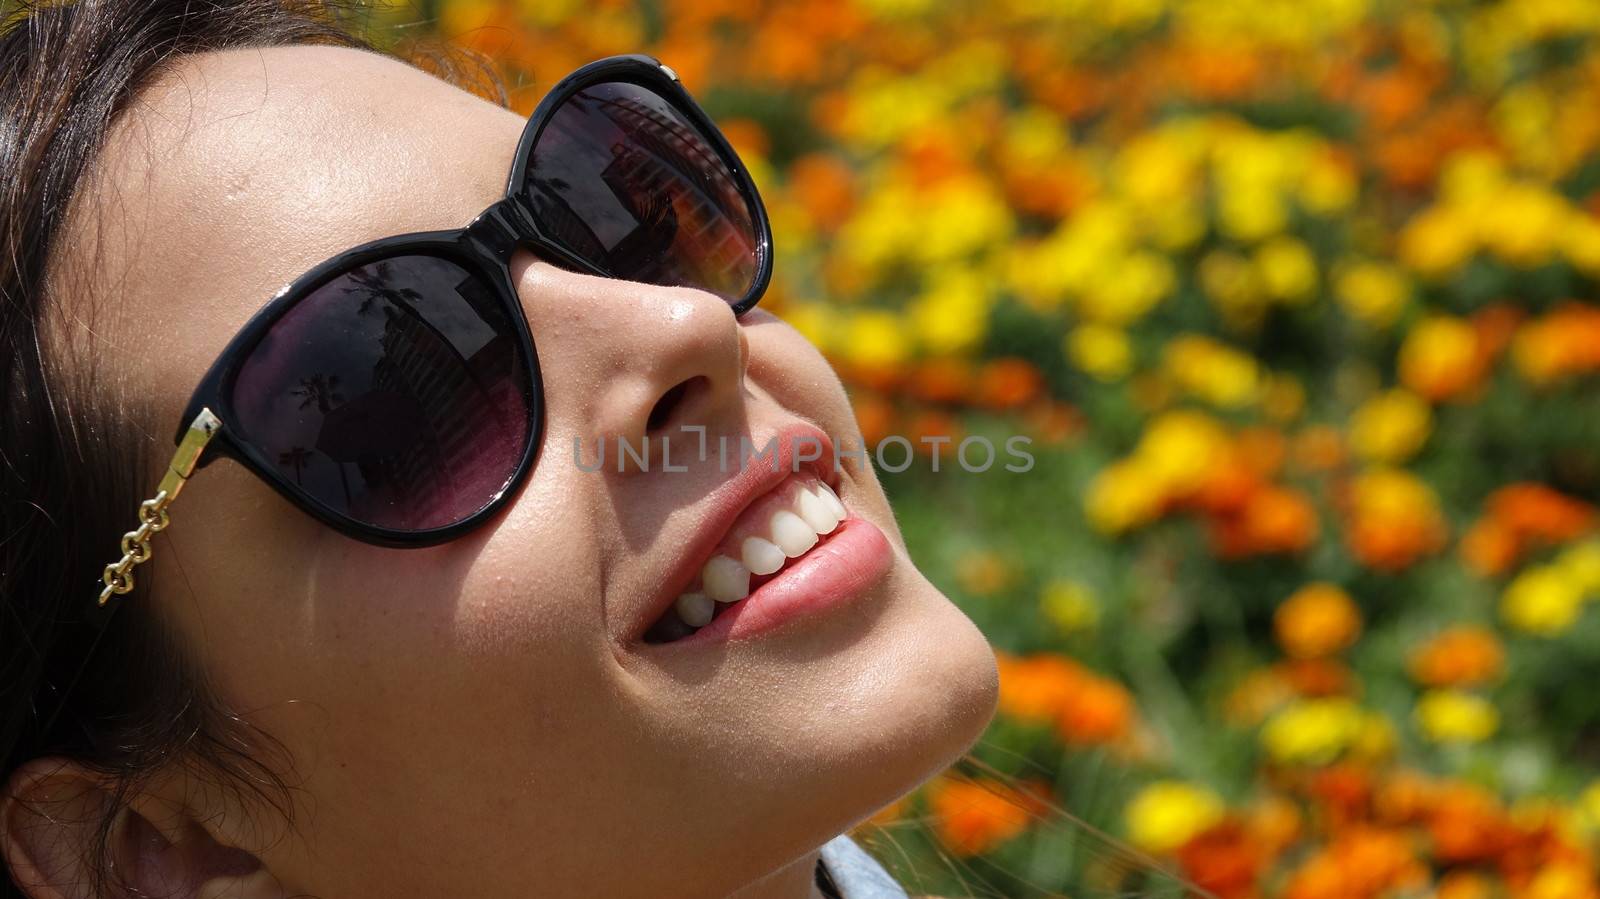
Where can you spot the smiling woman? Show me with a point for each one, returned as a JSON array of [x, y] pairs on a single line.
[[398, 644]]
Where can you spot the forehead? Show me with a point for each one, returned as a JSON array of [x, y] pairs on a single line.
[[234, 171]]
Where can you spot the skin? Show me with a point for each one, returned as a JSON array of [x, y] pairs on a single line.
[[462, 719]]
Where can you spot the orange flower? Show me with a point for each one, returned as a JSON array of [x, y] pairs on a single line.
[[825, 187], [1084, 707], [1564, 342], [1101, 711], [1343, 791], [875, 416], [1490, 548], [1405, 797], [1229, 488], [1361, 863], [1280, 519], [1274, 823], [1316, 677], [1393, 519], [943, 379], [1441, 359], [1459, 657], [1034, 688], [972, 817], [1466, 885], [746, 135], [1007, 384], [1224, 859], [1467, 825], [1318, 620], [1534, 511]]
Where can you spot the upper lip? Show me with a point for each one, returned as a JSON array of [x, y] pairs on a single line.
[[751, 482]]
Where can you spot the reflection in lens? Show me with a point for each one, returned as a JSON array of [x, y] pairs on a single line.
[[622, 179], [394, 394]]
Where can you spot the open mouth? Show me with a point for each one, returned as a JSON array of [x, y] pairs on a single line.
[[777, 531]]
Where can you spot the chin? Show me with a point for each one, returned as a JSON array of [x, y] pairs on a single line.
[[922, 698]]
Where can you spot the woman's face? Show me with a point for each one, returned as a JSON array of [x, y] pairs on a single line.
[[481, 718]]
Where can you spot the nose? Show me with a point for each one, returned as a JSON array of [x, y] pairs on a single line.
[[625, 361]]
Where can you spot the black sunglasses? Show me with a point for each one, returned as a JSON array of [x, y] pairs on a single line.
[[393, 391]]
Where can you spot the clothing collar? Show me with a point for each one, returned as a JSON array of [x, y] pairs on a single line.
[[854, 873]]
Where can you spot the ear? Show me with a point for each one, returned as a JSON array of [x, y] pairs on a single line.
[[50, 816]]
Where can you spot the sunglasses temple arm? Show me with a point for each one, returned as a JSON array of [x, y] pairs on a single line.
[[118, 576]]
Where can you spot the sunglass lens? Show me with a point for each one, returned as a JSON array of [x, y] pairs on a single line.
[[395, 394], [622, 179]]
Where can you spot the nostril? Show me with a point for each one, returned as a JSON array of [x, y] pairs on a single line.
[[671, 401]]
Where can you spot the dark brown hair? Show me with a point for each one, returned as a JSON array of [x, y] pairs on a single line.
[[76, 456]]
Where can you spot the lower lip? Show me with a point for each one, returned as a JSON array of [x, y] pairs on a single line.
[[841, 569]]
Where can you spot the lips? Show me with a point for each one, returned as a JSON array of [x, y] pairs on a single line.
[[777, 529], [755, 560]]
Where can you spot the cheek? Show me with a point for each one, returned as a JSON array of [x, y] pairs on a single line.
[[789, 368], [335, 634]]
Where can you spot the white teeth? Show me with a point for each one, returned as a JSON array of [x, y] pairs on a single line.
[[761, 556], [725, 579], [792, 534], [832, 501], [816, 512], [695, 609]]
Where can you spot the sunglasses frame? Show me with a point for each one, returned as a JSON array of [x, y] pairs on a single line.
[[484, 246]]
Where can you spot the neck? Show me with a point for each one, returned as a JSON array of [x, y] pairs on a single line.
[[797, 880]]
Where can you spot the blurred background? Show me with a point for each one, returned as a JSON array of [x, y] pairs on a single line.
[[1297, 301]]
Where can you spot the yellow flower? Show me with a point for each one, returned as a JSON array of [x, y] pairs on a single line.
[[1233, 285], [1165, 815], [1543, 600], [874, 338], [1563, 879], [1456, 716], [461, 16], [971, 215], [1588, 806], [1581, 563], [1180, 450], [1128, 289], [896, 9], [1100, 350], [1212, 370], [1313, 731], [1390, 427], [818, 322], [542, 13], [952, 314], [1250, 212], [1437, 241], [1372, 292], [1071, 606], [1121, 497], [1523, 223], [1328, 187], [1581, 244], [1287, 269]]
